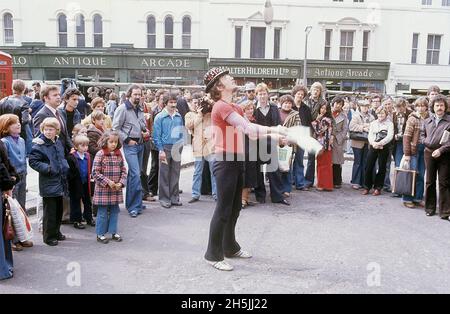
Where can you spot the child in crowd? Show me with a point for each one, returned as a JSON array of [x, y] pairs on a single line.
[[79, 183], [15, 148], [47, 158], [79, 129], [95, 132], [110, 178]]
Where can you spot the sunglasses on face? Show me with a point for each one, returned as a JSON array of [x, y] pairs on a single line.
[[250, 91]]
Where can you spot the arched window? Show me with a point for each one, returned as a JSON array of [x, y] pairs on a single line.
[[168, 32], [62, 30], [8, 28], [98, 31], [151, 32], [186, 44], [80, 31]]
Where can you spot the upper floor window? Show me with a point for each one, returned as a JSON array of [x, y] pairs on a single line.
[[8, 27], [186, 32], [328, 33], [433, 49], [238, 41], [80, 31], [276, 43], [427, 2], [168, 32], [151, 32], [365, 52], [346, 50], [258, 42], [62, 30], [415, 47], [98, 31]]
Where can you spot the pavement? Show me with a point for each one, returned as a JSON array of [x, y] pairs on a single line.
[[325, 242]]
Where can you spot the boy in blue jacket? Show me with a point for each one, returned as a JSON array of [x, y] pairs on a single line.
[[47, 158]]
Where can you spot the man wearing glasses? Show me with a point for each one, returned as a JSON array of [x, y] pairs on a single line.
[[250, 93]]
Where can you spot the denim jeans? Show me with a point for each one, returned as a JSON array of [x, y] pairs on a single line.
[[197, 179], [29, 140], [298, 169], [133, 197], [359, 165], [418, 163], [107, 219], [398, 155]]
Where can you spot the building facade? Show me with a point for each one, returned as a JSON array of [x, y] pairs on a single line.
[[397, 46]]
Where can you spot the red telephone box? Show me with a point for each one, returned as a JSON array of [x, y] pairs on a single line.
[[6, 75]]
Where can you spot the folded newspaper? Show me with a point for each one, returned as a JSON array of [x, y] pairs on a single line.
[[301, 136], [445, 137]]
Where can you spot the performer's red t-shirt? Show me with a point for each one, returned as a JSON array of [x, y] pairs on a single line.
[[227, 139]]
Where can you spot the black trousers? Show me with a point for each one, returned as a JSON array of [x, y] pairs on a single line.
[[222, 239], [275, 184], [376, 154], [53, 211], [153, 176], [144, 167], [75, 205], [437, 168], [337, 174]]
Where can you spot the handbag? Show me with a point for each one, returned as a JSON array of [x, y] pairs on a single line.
[[404, 182], [8, 229], [381, 135], [284, 158], [359, 136]]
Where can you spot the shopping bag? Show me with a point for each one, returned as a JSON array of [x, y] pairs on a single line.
[[21, 223], [404, 182], [284, 158]]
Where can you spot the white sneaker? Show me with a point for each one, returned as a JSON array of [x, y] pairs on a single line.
[[242, 254], [222, 265]]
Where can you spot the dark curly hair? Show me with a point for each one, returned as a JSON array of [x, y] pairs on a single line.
[[439, 98]]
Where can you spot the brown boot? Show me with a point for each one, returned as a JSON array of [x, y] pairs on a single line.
[[27, 244], [17, 247]]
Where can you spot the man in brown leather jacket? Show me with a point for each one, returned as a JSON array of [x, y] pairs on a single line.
[[437, 158]]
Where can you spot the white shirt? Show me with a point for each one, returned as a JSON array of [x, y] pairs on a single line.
[[82, 156], [53, 110]]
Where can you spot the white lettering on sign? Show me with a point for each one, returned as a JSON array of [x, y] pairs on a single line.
[[20, 61], [166, 63], [255, 71], [338, 73], [80, 61]]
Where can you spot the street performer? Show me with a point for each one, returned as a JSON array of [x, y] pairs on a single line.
[[229, 127]]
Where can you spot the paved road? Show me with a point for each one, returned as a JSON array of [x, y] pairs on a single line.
[[338, 242]]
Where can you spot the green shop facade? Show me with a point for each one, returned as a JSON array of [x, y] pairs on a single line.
[[121, 65], [110, 65], [284, 74]]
